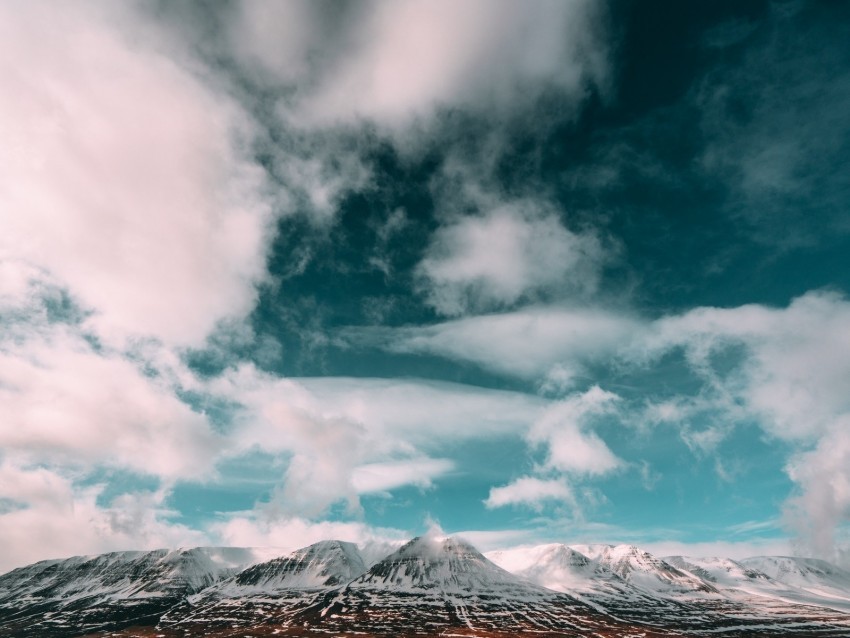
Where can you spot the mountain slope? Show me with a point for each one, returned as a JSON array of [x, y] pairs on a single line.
[[272, 589], [642, 569], [436, 584], [109, 590]]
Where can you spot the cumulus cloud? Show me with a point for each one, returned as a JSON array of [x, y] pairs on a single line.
[[822, 506], [491, 261], [531, 492], [564, 430], [573, 452], [796, 361], [127, 177], [394, 62], [67, 402], [62, 402]]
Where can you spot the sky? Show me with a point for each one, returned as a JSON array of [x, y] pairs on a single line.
[[539, 271]]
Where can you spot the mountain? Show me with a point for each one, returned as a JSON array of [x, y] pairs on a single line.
[[437, 584], [621, 581], [642, 569], [693, 595], [430, 586], [110, 590], [271, 589], [722, 572], [323, 564], [803, 573]]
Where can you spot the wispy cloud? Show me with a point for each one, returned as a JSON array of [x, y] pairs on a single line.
[[531, 342]]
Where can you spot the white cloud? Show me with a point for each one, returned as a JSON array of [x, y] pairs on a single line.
[[735, 550], [126, 177], [531, 492], [51, 518], [572, 450], [791, 375], [69, 409], [395, 61], [344, 436], [796, 364], [529, 343], [822, 505], [564, 430], [381, 477], [62, 402], [496, 259], [293, 533]]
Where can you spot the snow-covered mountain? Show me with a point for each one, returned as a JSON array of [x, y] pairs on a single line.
[[805, 581], [436, 583], [803, 573], [323, 564], [430, 586], [274, 588], [438, 563], [119, 588], [642, 569], [693, 594]]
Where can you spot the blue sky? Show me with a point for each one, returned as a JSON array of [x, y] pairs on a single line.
[[528, 271]]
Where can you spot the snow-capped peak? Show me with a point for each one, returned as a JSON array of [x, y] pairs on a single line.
[[438, 562], [323, 564]]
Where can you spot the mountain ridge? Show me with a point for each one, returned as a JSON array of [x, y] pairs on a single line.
[[433, 584]]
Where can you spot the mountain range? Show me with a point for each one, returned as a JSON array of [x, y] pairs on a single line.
[[430, 586]]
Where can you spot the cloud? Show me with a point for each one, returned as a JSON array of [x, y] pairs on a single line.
[[789, 372], [492, 261], [65, 401], [61, 402], [528, 343], [736, 550], [293, 533], [342, 437], [381, 477], [822, 505], [128, 178], [423, 411], [394, 62], [573, 451], [795, 364], [50, 514], [531, 492], [564, 430]]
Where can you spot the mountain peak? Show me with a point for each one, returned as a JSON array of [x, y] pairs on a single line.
[[441, 562], [323, 564]]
